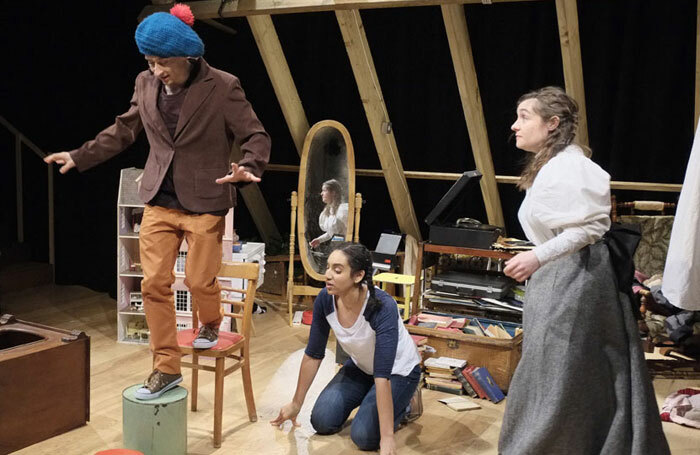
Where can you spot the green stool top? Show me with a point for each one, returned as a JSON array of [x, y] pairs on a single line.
[[171, 396], [119, 452]]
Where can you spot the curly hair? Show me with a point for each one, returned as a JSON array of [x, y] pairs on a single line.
[[334, 187], [551, 102]]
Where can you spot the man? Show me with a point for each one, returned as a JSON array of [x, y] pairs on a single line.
[[192, 114]]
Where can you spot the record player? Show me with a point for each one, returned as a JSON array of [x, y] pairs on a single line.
[[447, 229]]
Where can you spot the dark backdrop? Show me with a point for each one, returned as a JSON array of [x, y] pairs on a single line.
[[69, 69]]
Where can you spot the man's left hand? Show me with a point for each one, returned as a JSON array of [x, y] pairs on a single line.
[[238, 174]]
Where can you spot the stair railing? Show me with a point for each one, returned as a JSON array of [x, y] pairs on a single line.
[[20, 140]]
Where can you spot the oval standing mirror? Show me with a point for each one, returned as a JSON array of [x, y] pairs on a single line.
[[326, 194]]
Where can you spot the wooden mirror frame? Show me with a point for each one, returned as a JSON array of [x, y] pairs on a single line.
[[303, 168]]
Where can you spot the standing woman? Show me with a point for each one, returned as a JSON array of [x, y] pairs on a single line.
[[581, 386], [382, 373]]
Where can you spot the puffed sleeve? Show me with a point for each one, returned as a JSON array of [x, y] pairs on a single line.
[[571, 199]]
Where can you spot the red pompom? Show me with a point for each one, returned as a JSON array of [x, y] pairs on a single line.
[[183, 12]]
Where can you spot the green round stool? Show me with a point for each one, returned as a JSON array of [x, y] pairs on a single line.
[[155, 427], [119, 452]]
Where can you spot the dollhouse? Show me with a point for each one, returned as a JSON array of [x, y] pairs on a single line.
[[131, 320]]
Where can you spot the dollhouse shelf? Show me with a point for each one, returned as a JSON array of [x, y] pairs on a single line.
[[131, 325]]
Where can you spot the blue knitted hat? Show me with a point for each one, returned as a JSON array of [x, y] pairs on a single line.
[[165, 35]]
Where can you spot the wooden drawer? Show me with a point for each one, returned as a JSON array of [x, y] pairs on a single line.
[[499, 356]]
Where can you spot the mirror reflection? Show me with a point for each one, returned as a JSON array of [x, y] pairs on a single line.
[[326, 204]]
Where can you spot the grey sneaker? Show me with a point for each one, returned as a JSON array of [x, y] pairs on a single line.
[[206, 338], [157, 384]]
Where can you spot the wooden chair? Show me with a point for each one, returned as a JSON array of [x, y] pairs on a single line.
[[230, 346]]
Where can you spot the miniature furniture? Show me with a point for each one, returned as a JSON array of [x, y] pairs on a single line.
[[327, 154], [155, 427], [234, 346], [36, 361], [406, 281]]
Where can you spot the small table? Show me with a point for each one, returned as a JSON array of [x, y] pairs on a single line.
[[407, 281]]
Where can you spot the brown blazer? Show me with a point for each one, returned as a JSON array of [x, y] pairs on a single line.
[[214, 114]]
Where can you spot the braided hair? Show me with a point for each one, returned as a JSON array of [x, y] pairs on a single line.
[[551, 102], [359, 259]]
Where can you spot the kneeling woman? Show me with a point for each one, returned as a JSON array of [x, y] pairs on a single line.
[[383, 370]]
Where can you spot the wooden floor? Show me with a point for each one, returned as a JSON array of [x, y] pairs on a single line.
[[276, 352]]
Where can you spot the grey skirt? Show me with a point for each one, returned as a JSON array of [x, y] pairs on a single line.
[[582, 386]]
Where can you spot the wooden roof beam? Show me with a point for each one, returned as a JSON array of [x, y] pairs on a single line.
[[570, 41], [463, 61], [255, 202], [365, 73], [281, 77], [212, 9], [507, 179]]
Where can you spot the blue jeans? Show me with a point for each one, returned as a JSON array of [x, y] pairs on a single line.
[[350, 388]]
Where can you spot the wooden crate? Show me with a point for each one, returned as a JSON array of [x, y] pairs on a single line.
[[499, 356], [44, 380]]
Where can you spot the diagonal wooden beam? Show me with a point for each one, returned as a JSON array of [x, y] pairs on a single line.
[[255, 202], [278, 70], [567, 17], [463, 61], [212, 9], [373, 101]]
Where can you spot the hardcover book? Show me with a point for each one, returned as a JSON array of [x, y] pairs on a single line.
[[484, 378]]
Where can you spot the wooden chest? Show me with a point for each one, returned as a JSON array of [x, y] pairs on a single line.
[[44, 382], [499, 356]]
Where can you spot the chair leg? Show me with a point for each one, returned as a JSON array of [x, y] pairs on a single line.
[[218, 399], [195, 383], [248, 387]]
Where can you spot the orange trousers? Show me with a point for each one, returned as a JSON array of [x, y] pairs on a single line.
[[162, 231]]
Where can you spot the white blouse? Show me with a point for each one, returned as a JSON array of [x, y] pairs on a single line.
[[568, 205], [333, 223]]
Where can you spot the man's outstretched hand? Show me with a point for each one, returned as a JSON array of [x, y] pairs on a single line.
[[238, 174], [61, 158]]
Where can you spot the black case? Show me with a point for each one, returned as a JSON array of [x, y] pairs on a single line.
[[472, 284], [442, 222]]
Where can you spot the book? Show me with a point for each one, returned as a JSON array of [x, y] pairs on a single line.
[[440, 374], [459, 403], [473, 330], [445, 362], [427, 325], [440, 321], [419, 340], [474, 383], [457, 372], [450, 383], [485, 379], [441, 388]]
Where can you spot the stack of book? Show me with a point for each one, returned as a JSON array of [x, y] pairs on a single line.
[[439, 374], [495, 330], [469, 325], [477, 382]]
